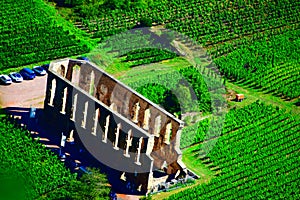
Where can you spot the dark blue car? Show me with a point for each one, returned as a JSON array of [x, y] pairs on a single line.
[[83, 58], [46, 67], [27, 74]]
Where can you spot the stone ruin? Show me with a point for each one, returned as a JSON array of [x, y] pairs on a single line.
[[118, 126]]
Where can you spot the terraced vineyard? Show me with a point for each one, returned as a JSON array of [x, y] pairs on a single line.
[[31, 32], [256, 36], [206, 21], [271, 64], [38, 170], [257, 156]]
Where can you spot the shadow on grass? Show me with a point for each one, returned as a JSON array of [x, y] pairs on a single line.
[[77, 158]]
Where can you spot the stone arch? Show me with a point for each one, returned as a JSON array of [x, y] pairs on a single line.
[[76, 75], [101, 93], [52, 91], [62, 70]]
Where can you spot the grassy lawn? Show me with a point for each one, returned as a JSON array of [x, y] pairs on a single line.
[[127, 75]]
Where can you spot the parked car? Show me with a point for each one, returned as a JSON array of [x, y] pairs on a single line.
[[16, 77], [39, 71], [83, 58], [27, 74], [46, 66], [4, 79]]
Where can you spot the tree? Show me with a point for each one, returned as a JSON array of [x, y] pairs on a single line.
[[145, 22], [93, 186]]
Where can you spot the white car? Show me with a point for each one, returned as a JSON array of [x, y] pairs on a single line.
[[5, 79], [15, 76]]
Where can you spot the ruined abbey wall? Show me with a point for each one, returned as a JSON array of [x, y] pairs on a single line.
[[106, 114]]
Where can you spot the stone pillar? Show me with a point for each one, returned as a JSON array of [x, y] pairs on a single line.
[[146, 119], [64, 101], [83, 123], [52, 92], [136, 110], [128, 143], [92, 84], [76, 75], [150, 145], [117, 136], [139, 152], [157, 126], [94, 132], [150, 182], [74, 107], [168, 133], [106, 129]]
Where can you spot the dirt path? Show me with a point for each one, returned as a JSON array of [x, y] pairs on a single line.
[[25, 94]]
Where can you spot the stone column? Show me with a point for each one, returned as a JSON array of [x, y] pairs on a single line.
[[146, 119], [74, 107], [95, 122], [106, 129], [83, 123], [150, 145], [139, 152], [128, 143], [52, 92], [157, 126], [64, 100], [117, 137], [168, 133], [136, 112]]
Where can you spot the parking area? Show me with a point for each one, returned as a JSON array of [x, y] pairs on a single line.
[[25, 94]]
